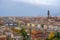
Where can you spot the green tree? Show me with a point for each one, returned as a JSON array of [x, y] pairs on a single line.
[[24, 34], [57, 35], [42, 25]]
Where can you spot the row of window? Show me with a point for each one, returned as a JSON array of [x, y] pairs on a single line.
[[11, 24]]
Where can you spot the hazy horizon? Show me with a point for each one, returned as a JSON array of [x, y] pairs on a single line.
[[29, 7]]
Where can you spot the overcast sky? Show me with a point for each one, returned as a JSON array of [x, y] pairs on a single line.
[[29, 7]]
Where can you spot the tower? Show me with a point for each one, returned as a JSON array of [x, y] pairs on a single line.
[[48, 18], [48, 14]]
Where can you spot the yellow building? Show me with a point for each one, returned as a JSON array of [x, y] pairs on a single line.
[[33, 25], [28, 24]]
